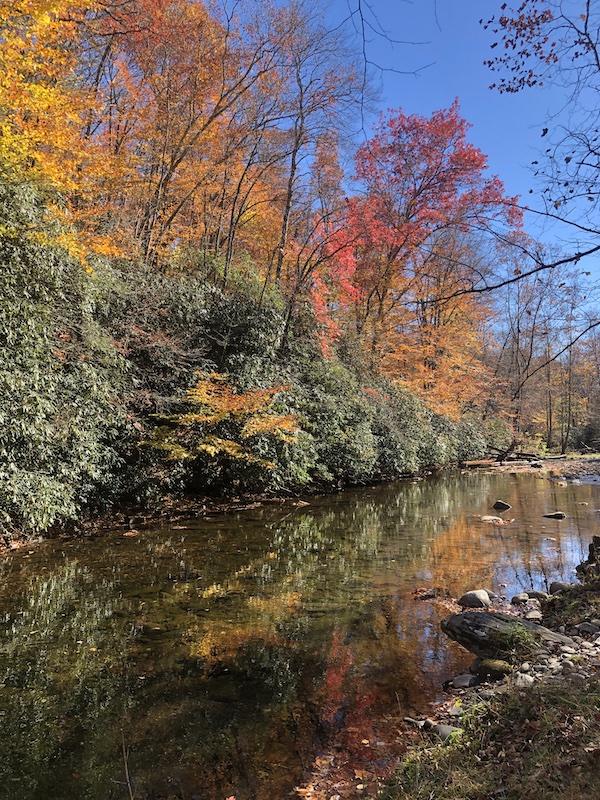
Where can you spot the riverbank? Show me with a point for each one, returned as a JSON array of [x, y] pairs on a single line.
[[175, 508], [534, 734]]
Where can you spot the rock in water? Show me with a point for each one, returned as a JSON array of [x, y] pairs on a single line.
[[590, 568], [478, 598], [500, 505], [497, 635], [555, 515]]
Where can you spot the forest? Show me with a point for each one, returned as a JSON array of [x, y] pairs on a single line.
[[216, 281]]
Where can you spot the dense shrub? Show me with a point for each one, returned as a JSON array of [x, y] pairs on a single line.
[[60, 413], [92, 360]]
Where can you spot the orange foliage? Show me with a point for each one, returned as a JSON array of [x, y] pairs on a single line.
[[218, 409]]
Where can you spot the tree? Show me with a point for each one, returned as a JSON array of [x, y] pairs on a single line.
[[222, 426], [39, 108], [540, 333], [425, 189], [548, 41]]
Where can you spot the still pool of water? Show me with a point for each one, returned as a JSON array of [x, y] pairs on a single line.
[[219, 657]]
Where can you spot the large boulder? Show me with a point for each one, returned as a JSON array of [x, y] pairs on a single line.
[[498, 635]]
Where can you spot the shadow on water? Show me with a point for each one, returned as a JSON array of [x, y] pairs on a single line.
[[216, 658]]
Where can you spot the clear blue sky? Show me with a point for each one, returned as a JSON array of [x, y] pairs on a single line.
[[449, 64]]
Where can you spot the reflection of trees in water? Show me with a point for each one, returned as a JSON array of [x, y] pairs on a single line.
[[233, 646], [61, 658]]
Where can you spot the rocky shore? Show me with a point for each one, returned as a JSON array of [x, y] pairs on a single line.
[[524, 722], [531, 653]]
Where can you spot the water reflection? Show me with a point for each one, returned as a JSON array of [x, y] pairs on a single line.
[[216, 658]]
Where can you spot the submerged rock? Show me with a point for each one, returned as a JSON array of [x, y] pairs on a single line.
[[500, 505], [555, 515]]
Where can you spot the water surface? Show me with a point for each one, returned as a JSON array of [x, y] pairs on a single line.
[[219, 657]]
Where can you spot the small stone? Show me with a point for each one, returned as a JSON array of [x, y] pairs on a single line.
[[534, 616], [588, 627], [558, 586], [525, 667], [568, 667], [587, 645], [523, 681], [595, 622], [555, 515], [520, 598], [473, 669], [445, 731], [464, 681], [500, 505], [565, 648], [478, 598], [536, 595], [493, 669], [579, 680]]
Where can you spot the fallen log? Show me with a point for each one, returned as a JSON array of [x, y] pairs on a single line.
[[497, 635]]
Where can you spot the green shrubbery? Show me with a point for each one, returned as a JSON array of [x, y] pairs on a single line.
[[90, 361]]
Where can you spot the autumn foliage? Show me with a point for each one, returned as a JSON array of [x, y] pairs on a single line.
[[222, 424], [189, 139]]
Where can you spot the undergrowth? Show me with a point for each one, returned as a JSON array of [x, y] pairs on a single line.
[[544, 743]]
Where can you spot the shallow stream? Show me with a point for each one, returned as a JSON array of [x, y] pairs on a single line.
[[220, 657]]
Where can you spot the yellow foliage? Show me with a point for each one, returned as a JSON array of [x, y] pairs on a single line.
[[246, 414]]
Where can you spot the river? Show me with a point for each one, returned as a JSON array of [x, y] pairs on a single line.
[[223, 657]]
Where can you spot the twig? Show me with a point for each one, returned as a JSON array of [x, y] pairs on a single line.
[[126, 766]]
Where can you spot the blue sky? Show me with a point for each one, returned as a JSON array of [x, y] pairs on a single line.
[[449, 64]]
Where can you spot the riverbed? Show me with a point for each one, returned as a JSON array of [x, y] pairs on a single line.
[[231, 656]]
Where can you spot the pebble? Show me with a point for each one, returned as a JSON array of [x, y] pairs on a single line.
[[588, 627], [464, 681], [523, 681], [565, 648], [520, 598], [445, 731], [558, 586], [535, 595], [534, 616], [525, 667], [477, 598]]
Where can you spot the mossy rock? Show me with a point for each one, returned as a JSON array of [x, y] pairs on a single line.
[[498, 635], [493, 669]]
